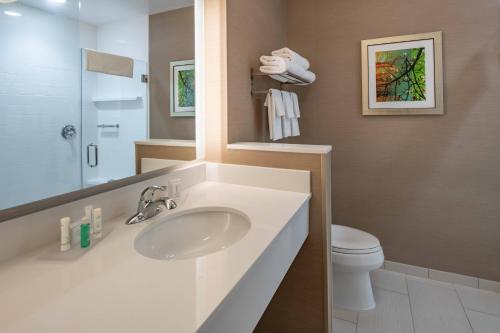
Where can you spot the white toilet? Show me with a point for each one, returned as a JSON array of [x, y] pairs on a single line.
[[355, 254]]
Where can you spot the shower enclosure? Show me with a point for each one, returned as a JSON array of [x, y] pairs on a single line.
[[62, 128], [114, 115]]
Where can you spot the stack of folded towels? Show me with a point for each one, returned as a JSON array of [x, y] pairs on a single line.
[[285, 61], [283, 114]]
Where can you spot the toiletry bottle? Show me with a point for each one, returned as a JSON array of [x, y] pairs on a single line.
[[90, 217], [65, 234], [97, 223], [174, 187], [75, 232], [85, 233]]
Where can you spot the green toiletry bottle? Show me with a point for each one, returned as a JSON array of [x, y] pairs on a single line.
[[85, 233]]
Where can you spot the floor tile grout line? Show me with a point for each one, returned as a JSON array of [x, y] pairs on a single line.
[[463, 307], [392, 291], [411, 308], [471, 309]]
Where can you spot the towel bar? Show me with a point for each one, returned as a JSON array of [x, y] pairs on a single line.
[[289, 79]]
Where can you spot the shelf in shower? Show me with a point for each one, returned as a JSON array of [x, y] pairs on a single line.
[[116, 99]]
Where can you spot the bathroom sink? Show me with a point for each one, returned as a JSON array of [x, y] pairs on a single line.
[[192, 233]]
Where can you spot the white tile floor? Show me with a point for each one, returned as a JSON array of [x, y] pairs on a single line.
[[409, 304]]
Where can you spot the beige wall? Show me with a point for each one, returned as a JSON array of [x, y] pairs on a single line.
[[171, 38], [254, 28], [428, 187]]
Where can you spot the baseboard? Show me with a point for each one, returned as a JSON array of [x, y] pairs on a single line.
[[432, 274]]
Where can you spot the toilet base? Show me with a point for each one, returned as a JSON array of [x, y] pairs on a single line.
[[353, 291]]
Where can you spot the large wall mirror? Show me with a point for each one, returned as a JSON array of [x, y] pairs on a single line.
[[93, 92]]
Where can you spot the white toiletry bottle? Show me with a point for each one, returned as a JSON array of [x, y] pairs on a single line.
[[174, 187], [89, 216], [97, 223], [65, 234]]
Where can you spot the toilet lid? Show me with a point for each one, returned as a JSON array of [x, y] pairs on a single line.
[[350, 239]]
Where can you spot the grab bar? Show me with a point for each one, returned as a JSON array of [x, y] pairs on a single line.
[[108, 126], [96, 155]]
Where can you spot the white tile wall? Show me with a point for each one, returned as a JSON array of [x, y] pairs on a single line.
[[39, 94]]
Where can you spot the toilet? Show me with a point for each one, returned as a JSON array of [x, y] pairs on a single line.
[[355, 254]]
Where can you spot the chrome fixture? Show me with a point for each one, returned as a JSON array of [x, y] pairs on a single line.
[[108, 126], [148, 207], [95, 148], [68, 132]]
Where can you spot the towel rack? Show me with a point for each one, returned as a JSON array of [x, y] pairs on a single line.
[[108, 126], [288, 77]]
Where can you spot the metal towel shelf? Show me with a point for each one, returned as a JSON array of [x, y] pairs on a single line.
[[288, 78]]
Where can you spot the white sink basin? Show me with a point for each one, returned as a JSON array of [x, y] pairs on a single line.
[[192, 233]]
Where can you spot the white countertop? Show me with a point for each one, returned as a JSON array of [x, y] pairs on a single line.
[[112, 288], [167, 142], [281, 147]]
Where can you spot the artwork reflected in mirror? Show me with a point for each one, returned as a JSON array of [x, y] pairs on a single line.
[[85, 99]]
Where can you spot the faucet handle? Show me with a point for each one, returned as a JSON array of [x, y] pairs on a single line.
[[149, 192]]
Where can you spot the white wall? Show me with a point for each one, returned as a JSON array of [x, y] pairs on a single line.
[[39, 94]]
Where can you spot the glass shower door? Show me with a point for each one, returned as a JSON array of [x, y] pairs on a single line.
[[114, 116]]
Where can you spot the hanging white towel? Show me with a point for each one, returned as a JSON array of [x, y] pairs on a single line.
[[286, 120], [291, 116], [275, 113], [296, 107], [288, 101], [293, 56]]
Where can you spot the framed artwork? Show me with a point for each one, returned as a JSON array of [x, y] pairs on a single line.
[[182, 89], [403, 75]]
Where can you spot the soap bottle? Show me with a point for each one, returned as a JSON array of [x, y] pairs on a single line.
[[97, 223], [65, 234], [85, 233]]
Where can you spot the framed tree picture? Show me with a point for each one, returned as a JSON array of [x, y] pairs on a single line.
[[182, 89], [403, 75]]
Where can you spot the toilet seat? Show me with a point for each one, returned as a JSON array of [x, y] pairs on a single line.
[[353, 241]]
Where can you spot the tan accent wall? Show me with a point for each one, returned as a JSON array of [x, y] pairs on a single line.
[[255, 28], [162, 152], [428, 187], [171, 38], [303, 300]]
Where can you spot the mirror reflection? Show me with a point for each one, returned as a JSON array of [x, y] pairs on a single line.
[[92, 91]]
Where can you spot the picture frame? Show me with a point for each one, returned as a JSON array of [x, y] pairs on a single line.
[[403, 75], [182, 89]]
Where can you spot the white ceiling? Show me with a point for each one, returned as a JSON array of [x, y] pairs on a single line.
[[98, 12]]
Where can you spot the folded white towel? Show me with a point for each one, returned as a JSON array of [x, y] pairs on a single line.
[[275, 113], [275, 65], [278, 65], [293, 56]]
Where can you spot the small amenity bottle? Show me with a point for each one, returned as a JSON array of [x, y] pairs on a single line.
[[97, 223], [85, 233], [65, 234]]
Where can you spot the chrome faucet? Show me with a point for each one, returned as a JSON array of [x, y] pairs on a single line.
[[148, 207]]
